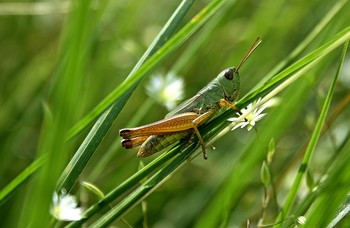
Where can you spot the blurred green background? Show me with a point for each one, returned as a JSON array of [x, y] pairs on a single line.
[[31, 46]]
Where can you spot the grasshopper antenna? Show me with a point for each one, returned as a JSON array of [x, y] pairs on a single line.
[[249, 52]]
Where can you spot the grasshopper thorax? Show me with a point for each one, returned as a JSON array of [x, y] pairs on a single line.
[[229, 81]]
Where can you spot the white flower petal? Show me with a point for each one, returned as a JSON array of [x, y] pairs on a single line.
[[55, 199], [71, 214], [241, 124], [68, 201], [258, 111], [64, 207], [259, 117], [252, 117], [244, 124], [166, 90]]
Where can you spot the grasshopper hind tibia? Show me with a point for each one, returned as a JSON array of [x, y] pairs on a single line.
[[127, 143], [125, 133]]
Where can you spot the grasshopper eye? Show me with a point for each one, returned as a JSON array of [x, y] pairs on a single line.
[[229, 74]]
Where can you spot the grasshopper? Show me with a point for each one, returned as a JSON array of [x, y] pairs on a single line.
[[185, 119]]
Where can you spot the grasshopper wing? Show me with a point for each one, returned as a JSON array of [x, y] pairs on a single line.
[[186, 106]]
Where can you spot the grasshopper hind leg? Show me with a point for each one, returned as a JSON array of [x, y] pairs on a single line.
[[156, 143], [149, 147], [190, 140]]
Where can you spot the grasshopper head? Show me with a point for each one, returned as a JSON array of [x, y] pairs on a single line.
[[229, 78], [230, 82]]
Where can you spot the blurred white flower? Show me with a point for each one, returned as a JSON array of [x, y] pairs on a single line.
[[64, 207], [253, 116], [167, 90], [301, 220]]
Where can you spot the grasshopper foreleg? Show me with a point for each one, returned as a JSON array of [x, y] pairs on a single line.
[[226, 103]]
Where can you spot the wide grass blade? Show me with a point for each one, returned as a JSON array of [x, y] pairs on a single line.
[[335, 190], [171, 45], [145, 189], [127, 185], [96, 134], [323, 50], [23, 176], [65, 96]]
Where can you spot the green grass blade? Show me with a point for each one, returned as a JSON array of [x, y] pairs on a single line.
[[317, 55], [95, 136], [310, 151], [107, 157], [203, 36], [310, 199], [144, 190], [65, 96], [334, 192], [322, 51], [170, 46], [127, 185], [22, 177], [307, 41], [341, 214]]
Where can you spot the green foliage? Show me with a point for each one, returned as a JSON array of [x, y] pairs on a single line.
[[74, 74]]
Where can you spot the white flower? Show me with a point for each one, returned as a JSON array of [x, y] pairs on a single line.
[[301, 220], [64, 207], [167, 90], [251, 118]]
